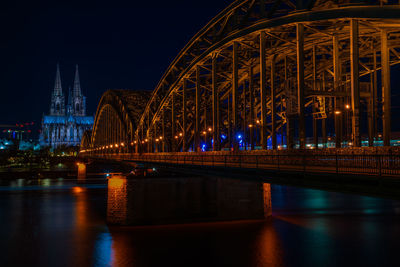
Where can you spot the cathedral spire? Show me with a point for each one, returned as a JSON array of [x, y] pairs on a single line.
[[77, 84], [57, 84]]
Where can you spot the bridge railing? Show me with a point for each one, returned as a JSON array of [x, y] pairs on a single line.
[[375, 165]]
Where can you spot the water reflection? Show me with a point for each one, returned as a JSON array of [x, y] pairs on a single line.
[[66, 227], [160, 200]]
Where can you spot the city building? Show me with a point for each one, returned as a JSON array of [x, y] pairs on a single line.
[[65, 124]]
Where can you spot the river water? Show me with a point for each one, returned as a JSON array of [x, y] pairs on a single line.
[[59, 223]]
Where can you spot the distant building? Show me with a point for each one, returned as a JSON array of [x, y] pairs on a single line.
[[65, 124], [18, 131]]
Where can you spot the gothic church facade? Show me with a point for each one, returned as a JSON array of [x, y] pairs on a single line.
[[65, 124]]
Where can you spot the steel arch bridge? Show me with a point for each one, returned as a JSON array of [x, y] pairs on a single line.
[[258, 75], [116, 119]]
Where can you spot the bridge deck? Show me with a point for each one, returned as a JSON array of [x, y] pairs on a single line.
[[370, 165]]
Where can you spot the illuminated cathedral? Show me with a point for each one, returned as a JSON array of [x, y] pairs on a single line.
[[65, 124]]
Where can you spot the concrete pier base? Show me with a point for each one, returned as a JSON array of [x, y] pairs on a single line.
[[81, 172], [146, 201]]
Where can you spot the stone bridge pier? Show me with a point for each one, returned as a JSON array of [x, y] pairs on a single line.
[[147, 201], [81, 172]]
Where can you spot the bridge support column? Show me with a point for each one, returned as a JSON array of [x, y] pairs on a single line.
[[163, 141], [355, 84], [300, 83], [155, 138], [235, 89], [173, 124], [263, 91], [197, 112], [338, 113], [244, 116], [375, 96], [184, 92], [273, 107], [251, 94], [289, 132], [215, 103], [323, 121], [139, 201], [314, 108], [386, 91], [372, 106]]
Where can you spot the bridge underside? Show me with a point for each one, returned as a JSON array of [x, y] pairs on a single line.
[[374, 175]]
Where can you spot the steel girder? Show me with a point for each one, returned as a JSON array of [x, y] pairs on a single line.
[[218, 72], [241, 25]]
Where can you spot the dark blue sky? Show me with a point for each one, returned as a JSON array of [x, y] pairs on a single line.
[[116, 44]]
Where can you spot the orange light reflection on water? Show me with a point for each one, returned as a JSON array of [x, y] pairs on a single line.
[[78, 189]]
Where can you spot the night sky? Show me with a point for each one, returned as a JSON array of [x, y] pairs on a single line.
[[118, 45]]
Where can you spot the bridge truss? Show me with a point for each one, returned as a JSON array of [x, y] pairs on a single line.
[[260, 73]]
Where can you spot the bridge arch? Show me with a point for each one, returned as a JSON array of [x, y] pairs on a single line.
[[115, 121], [260, 68], [267, 74]]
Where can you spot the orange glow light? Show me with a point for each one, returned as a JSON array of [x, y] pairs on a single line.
[[77, 189], [116, 182]]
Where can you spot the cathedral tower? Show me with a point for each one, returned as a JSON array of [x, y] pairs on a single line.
[[57, 106], [65, 124], [79, 101]]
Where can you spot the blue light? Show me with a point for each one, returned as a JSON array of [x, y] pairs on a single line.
[[203, 147], [107, 175], [223, 136], [86, 120]]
